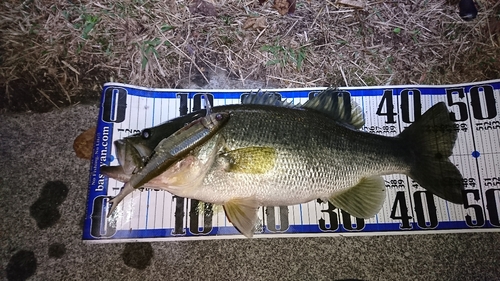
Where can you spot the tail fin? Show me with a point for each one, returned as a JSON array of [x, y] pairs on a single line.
[[431, 139]]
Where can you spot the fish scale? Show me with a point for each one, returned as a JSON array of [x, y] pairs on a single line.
[[316, 157]]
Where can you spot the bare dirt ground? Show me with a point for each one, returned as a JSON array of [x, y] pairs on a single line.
[[60, 52]]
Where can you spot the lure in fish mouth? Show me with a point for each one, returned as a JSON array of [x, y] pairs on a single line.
[[284, 155], [168, 151]]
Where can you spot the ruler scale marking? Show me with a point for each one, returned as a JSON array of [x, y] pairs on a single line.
[[152, 210]]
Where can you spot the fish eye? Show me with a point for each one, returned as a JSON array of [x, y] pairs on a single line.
[[218, 117], [146, 134]]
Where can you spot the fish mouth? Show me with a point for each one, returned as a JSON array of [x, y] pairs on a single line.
[[132, 157]]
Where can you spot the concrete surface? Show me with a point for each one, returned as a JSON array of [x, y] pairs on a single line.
[[40, 231]]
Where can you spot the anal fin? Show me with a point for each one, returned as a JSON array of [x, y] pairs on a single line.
[[363, 200], [242, 213]]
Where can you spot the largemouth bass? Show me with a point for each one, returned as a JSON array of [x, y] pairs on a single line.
[[276, 156]]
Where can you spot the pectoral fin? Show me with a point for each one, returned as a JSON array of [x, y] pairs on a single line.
[[250, 160], [363, 200], [242, 213]]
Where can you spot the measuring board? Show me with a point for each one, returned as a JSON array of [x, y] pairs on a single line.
[[154, 215]]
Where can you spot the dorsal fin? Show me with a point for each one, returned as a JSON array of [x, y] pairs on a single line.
[[338, 105], [332, 102], [265, 98]]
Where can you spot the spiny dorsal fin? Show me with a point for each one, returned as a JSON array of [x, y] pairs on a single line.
[[265, 98], [363, 200], [339, 106]]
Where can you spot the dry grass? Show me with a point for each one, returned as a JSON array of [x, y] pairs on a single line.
[[59, 52]]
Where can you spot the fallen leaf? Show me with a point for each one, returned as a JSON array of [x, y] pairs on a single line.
[[255, 23], [281, 6], [285, 6], [84, 144], [203, 7]]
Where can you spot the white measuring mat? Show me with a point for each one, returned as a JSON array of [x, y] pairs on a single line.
[[158, 215]]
